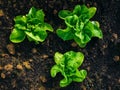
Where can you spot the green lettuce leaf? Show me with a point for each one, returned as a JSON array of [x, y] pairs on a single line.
[[17, 36], [67, 64]]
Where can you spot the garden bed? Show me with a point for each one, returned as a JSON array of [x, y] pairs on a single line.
[[26, 66]]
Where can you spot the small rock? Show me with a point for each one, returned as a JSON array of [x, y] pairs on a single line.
[[43, 79], [115, 36], [74, 44], [1, 13], [11, 48], [105, 46], [19, 54], [8, 67], [0, 22], [42, 88], [88, 5], [88, 68], [116, 58], [3, 75], [109, 88], [31, 60], [44, 56], [27, 64], [8, 73], [119, 80], [55, 12], [95, 4], [13, 83], [34, 50], [5, 55], [1, 68], [19, 67], [83, 87]]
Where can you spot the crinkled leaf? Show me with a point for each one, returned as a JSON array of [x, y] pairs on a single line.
[[64, 13], [84, 18], [78, 21], [88, 13], [86, 39], [54, 70], [32, 24], [40, 15], [33, 21], [66, 81], [34, 37], [84, 36], [20, 20], [79, 26], [84, 9], [42, 33], [78, 41], [20, 27], [65, 34], [58, 58], [71, 21], [48, 27], [77, 10], [97, 32], [74, 59], [69, 68], [93, 27], [17, 36], [37, 36], [91, 12], [79, 76], [32, 12]]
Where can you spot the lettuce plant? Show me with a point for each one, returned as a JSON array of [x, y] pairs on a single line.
[[32, 26], [67, 64], [79, 27]]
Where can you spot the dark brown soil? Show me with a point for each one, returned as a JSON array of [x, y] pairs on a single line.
[[26, 66]]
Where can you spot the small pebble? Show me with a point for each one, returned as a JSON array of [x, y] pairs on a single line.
[[42, 88], [0, 22], [95, 4], [119, 80], [83, 87], [115, 36], [27, 64], [74, 44], [88, 5], [8, 73], [116, 58], [31, 60], [34, 50], [8, 67], [55, 12], [43, 79], [104, 46], [5, 55], [109, 88], [88, 68], [13, 83], [11, 48], [3, 75], [44, 56], [19, 54], [19, 67], [1, 13], [1, 68]]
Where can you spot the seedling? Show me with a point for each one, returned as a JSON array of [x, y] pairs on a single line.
[[79, 27], [67, 64], [32, 26]]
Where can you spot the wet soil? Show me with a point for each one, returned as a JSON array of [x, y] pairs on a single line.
[[26, 66]]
